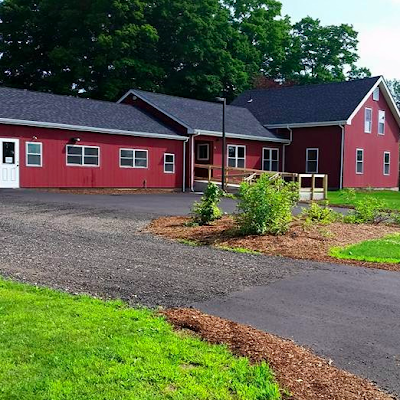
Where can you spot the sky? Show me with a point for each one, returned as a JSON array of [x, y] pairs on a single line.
[[377, 21]]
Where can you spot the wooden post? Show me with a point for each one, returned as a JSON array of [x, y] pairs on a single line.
[[209, 173], [312, 187], [326, 187]]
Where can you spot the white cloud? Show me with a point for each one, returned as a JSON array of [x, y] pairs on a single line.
[[378, 49]]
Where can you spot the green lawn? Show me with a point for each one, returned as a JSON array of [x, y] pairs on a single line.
[[386, 250], [57, 346], [392, 199]]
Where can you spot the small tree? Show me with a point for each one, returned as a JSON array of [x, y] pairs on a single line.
[[207, 209], [266, 206]]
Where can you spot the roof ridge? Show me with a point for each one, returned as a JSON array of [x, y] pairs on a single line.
[[376, 78], [183, 98], [63, 96]]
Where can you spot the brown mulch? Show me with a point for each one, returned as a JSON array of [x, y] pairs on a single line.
[[108, 191], [304, 375], [311, 243]]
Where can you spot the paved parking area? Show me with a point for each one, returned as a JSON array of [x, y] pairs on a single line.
[[96, 244]]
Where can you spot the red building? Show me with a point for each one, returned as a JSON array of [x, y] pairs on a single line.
[[348, 130]]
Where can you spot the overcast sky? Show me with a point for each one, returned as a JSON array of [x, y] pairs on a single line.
[[377, 21]]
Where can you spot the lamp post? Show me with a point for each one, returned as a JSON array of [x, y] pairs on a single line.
[[223, 101]]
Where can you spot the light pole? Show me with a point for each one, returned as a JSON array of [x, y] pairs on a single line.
[[223, 101]]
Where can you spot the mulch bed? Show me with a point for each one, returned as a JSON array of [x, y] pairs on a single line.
[[304, 375], [108, 191], [312, 243]]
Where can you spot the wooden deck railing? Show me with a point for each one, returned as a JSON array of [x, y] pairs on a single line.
[[234, 176]]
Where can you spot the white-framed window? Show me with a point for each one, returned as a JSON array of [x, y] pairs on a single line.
[[381, 122], [169, 163], [236, 156], [270, 159], [133, 158], [312, 160], [376, 94], [34, 154], [359, 161], [386, 163], [203, 152], [87, 156], [368, 120]]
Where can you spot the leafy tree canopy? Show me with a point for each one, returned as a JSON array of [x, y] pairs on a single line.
[[201, 49], [394, 86]]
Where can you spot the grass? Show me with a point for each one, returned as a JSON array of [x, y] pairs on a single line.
[[188, 242], [386, 250], [240, 250], [57, 346], [391, 198]]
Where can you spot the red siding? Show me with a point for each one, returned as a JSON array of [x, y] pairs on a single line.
[[374, 146], [327, 140], [55, 173], [253, 150]]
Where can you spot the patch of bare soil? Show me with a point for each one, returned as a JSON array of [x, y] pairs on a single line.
[[312, 243], [108, 191], [304, 375]]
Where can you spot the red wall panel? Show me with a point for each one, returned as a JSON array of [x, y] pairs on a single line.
[[55, 172], [328, 140], [374, 146], [253, 150]]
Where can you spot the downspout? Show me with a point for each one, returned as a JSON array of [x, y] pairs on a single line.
[[192, 162], [184, 166], [284, 148], [342, 158]]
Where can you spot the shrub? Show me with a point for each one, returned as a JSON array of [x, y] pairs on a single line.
[[207, 210], [367, 211], [318, 214], [266, 206], [349, 195]]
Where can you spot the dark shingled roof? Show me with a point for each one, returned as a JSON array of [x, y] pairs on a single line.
[[207, 116], [306, 104], [44, 107]]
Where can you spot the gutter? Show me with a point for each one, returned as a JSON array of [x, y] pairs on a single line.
[[284, 147], [238, 136], [184, 166], [192, 161], [342, 157]]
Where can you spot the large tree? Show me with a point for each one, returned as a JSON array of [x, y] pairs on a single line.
[[67, 46], [201, 49], [394, 86], [321, 53]]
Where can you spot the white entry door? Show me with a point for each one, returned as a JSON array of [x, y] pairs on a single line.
[[9, 163]]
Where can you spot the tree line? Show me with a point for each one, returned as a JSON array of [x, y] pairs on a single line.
[[191, 48]]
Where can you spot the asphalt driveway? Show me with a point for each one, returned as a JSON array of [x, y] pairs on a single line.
[[96, 244]]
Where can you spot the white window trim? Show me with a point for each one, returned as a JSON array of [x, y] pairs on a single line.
[[134, 158], [173, 163], [307, 160], [384, 163], [384, 121], [363, 160], [365, 120], [376, 94], [83, 156], [270, 149], [34, 154], [236, 146], [207, 145]]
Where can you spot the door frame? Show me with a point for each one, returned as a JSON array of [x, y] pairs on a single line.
[[16, 163]]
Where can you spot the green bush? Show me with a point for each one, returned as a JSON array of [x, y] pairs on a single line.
[[320, 214], [207, 210], [367, 211], [265, 207]]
